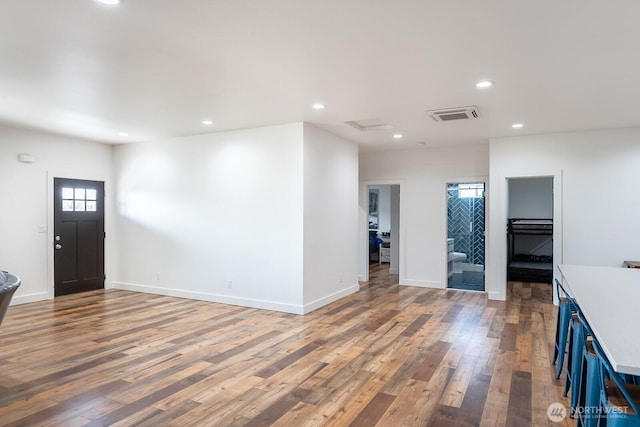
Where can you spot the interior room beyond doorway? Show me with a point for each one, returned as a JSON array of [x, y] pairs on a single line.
[[530, 230], [384, 226], [466, 235]]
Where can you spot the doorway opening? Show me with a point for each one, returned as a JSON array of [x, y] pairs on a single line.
[[78, 222], [530, 229], [466, 235], [384, 227]]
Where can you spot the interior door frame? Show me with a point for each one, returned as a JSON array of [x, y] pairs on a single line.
[[363, 269], [556, 242], [496, 266], [445, 253], [51, 174]]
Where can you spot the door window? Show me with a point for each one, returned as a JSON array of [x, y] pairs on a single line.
[[78, 199]]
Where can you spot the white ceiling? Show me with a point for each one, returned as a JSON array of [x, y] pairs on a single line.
[[157, 68]]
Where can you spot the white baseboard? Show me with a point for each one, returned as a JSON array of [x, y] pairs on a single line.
[[24, 299], [308, 308], [422, 283], [204, 296], [498, 296], [394, 271], [244, 302]]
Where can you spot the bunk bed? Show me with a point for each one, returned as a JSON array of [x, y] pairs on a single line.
[[526, 239]]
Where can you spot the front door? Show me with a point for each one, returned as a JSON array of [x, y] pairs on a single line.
[[79, 236]]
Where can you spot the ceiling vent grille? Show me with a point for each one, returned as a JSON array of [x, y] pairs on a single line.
[[369, 125], [458, 113]]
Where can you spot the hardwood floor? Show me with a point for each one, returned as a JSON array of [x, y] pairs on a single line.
[[386, 356]]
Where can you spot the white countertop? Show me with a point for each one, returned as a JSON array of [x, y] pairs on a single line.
[[609, 298]]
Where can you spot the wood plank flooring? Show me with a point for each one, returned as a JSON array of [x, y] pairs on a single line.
[[386, 356]]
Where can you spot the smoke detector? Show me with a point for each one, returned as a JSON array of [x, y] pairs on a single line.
[[458, 113]]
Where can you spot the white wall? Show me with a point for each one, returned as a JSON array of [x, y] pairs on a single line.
[[530, 197], [26, 216], [423, 216], [595, 194], [263, 217], [217, 217], [330, 217]]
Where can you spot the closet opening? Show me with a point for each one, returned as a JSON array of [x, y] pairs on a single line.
[[530, 226]]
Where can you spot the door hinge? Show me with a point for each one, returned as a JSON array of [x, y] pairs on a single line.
[[105, 234]]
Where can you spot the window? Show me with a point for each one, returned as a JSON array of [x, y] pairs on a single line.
[[79, 199], [470, 190]]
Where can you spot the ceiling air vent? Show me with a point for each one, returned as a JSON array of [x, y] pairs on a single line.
[[369, 124], [457, 113]]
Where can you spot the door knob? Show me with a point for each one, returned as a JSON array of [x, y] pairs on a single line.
[[58, 246]]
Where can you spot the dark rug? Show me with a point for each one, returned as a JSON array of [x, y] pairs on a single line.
[[468, 280]]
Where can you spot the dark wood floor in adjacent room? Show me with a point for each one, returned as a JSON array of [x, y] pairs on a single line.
[[386, 356]]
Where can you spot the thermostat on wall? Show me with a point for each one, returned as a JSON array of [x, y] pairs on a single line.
[[26, 158]]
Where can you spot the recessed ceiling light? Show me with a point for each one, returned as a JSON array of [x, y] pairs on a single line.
[[517, 125], [123, 134], [207, 122], [484, 83], [319, 106], [397, 135], [109, 2]]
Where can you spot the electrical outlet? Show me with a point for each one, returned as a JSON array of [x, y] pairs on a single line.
[[157, 276], [229, 284]]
